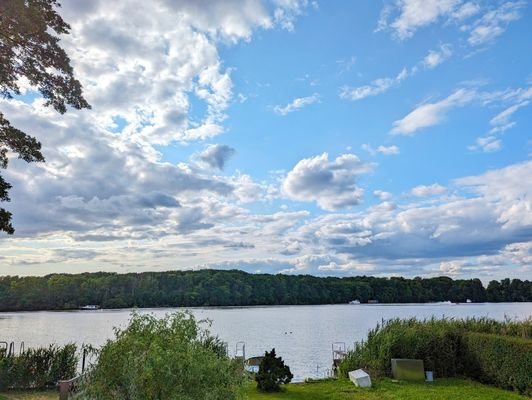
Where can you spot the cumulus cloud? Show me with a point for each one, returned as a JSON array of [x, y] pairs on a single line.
[[430, 190], [147, 69], [296, 104], [480, 226], [216, 155], [430, 114], [382, 195], [331, 184], [104, 179]]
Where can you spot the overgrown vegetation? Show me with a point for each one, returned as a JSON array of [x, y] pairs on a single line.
[[237, 288], [272, 373], [490, 351], [168, 358], [38, 368]]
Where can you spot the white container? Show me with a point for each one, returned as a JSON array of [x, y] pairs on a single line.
[[360, 378]]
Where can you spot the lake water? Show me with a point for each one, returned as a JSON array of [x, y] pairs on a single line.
[[302, 335]]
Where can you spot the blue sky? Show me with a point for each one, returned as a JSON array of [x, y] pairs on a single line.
[[331, 138]]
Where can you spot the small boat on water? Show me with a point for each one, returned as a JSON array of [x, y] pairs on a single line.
[[89, 307], [354, 302]]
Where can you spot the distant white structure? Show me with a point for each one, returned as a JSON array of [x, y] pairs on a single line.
[[360, 378], [468, 301], [354, 302], [90, 307]]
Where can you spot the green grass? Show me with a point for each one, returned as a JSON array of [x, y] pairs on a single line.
[[385, 389], [37, 395]]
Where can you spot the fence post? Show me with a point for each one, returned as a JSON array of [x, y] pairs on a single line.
[[64, 389]]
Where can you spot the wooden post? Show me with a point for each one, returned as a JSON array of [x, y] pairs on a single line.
[[64, 389]]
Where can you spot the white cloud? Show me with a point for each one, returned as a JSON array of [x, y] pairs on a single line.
[[382, 85], [487, 144], [451, 267], [431, 114], [493, 23], [296, 104], [331, 184], [386, 150], [502, 119], [382, 195], [436, 57], [414, 14], [465, 11], [501, 122], [216, 155], [376, 87], [287, 11], [431, 190], [149, 68], [406, 17], [475, 229]]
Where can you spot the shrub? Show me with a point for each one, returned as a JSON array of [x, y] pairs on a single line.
[[38, 368], [483, 349], [168, 358], [272, 373], [499, 360], [434, 341]]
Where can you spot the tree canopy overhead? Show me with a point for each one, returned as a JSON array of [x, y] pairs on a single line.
[[29, 48]]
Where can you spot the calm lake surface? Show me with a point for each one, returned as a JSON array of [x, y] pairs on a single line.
[[302, 335]]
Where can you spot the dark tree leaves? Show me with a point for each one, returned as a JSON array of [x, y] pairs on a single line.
[[272, 373], [29, 48]]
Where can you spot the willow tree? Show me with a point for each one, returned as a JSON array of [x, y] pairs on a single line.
[[29, 48]]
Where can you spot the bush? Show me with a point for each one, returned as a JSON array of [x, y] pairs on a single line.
[[473, 347], [38, 368], [168, 358], [434, 341], [272, 373], [499, 360]]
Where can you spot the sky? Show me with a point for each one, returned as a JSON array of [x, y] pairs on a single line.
[[332, 138]]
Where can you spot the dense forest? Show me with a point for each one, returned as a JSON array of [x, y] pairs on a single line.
[[238, 288]]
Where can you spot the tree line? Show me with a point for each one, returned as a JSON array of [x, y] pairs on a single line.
[[238, 288]]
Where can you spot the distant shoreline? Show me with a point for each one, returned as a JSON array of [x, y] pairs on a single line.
[[234, 288], [263, 306]]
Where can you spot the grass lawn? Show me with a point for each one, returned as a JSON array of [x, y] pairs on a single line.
[[38, 395], [385, 389]]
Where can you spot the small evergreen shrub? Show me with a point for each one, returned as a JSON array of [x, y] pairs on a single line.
[[272, 373], [499, 360]]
